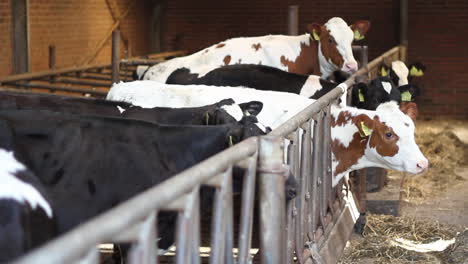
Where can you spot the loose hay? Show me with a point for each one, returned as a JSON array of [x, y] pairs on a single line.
[[381, 230], [445, 152]]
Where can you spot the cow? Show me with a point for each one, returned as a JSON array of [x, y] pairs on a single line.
[[267, 78], [26, 216], [222, 112], [403, 77], [324, 49], [70, 154], [387, 139]]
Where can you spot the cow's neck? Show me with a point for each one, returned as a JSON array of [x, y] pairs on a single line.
[[348, 146], [326, 66], [306, 62]]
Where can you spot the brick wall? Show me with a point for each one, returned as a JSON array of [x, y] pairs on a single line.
[[75, 28], [5, 38], [438, 37]]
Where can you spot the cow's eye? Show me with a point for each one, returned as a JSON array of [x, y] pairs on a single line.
[[389, 135]]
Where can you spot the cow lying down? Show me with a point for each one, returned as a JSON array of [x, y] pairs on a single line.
[[70, 155], [265, 78], [360, 138]]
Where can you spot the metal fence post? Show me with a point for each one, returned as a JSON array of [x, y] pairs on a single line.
[[272, 200], [293, 20], [115, 56]]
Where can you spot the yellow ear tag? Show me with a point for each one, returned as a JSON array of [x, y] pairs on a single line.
[[361, 96], [357, 35], [207, 118], [406, 96], [365, 130], [383, 72], [416, 72], [315, 35], [230, 141]]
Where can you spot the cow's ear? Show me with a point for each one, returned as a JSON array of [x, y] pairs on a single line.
[[364, 124], [360, 29], [361, 91], [416, 70], [251, 108], [410, 109], [315, 30]]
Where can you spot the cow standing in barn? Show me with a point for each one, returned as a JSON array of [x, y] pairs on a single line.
[[324, 49]]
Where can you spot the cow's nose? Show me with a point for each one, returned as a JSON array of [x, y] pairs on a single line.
[[422, 164], [351, 66]]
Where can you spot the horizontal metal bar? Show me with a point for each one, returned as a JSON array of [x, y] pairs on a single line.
[[82, 82], [59, 88], [178, 204], [110, 223]]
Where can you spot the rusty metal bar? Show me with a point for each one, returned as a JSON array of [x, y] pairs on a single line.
[[115, 56], [82, 82], [272, 200], [248, 196]]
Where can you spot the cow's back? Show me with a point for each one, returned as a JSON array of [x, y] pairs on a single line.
[[271, 50]]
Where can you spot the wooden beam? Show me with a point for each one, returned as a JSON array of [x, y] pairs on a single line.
[[101, 44], [59, 88]]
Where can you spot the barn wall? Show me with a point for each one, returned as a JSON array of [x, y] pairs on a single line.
[[194, 25], [438, 37], [75, 28], [5, 38]]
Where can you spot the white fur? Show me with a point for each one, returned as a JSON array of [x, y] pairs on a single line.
[[278, 107], [234, 110], [121, 110], [401, 71], [15, 189], [241, 51], [311, 86], [387, 87]]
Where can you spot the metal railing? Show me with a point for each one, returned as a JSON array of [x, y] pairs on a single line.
[[313, 227]]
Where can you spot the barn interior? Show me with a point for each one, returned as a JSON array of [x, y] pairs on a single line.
[[80, 48]]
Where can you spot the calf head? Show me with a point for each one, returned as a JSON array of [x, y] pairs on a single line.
[[335, 38], [382, 138], [378, 91]]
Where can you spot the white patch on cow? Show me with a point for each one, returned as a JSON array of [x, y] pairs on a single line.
[[234, 110], [387, 87], [311, 86], [401, 71], [261, 127], [277, 106], [121, 109], [344, 134], [344, 37], [140, 70], [13, 188]]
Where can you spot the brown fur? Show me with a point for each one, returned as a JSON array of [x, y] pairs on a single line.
[[227, 59], [306, 63], [329, 50], [220, 45], [256, 46]]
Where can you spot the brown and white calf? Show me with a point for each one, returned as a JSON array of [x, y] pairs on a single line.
[[360, 138], [324, 49]]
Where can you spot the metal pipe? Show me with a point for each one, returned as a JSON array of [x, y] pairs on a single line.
[[272, 200], [293, 20], [59, 88], [404, 22], [82, 82], [248, 197], [115, 56]]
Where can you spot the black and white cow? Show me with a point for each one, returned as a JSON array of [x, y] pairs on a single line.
[[89, 164], [26, 215], [222, 112], [403, 77], [260, 77]]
